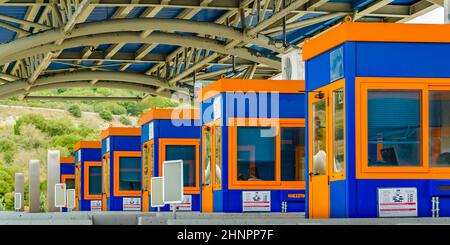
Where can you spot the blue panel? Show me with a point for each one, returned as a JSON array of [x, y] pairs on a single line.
[[140, 67], [136, 12], [440, 188], [67, 168], [402, 59], [15, 12], [125, 143], [337, 199], [144, 133], [167, 129]]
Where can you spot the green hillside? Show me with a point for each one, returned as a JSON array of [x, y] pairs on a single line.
[[29, 128]]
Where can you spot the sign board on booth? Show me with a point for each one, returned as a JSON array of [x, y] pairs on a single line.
[[60, 195], [256, 201], [397, 202], [157, 192], [131, 204], [173, 181], [186, 205], [96, 205]]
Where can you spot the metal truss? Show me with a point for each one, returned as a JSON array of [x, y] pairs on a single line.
[[50, 27]]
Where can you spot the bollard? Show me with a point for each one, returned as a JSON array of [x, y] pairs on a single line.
[[34, 186], [19, 182], [53, 169]]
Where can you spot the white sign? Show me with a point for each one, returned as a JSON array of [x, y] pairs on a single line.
[[150, 131], [292, 65], [157, 192], [70, 198], [131, 204], [60, 195], [107, 144], [397, 202], [173, 181], [17, 201], [96, 205], [186, 205], [217, 107], [258, 201]]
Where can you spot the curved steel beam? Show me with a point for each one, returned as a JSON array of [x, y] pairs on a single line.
[[157, 37], [137, 24], [104, 84], [130, 78]]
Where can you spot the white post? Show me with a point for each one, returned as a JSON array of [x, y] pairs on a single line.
[[34, 186], [19, 182], [53, 169], [446, 11]]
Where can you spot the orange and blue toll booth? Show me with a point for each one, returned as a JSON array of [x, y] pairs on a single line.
[[67, 173], [171, 134], [253, 146], [121, 169], [88, 175], [378, 121]]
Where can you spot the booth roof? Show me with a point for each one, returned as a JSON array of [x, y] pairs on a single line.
[[376, 32], [173, 114]]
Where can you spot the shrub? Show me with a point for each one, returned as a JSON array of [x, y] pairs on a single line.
[[8, 148], [32, 138], [66, 141], [34, 119], [9, 201], [113, 107], [106, 115], [75, 110], [125, 121], [58, 127]]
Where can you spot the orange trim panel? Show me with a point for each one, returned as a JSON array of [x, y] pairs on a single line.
[[178, 114], [67, 160], [251, 85], [120, 131], [87, 144], [376, 32]]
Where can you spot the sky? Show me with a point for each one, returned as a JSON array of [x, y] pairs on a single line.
[[433, 17]]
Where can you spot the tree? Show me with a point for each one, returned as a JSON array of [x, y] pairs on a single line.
[[125, 120]]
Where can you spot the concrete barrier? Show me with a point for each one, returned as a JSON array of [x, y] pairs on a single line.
[[34, 186]]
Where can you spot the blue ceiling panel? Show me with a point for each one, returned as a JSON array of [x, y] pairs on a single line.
[[15, 12], [139, 67], [208, 15], [131, 47], [136, 12], [169, 13], [164, 49], [101, 13]]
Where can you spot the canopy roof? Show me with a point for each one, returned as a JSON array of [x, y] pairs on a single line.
[[159, 47]]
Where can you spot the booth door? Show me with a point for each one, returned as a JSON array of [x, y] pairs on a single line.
[[207, 170], [319, 182], [105, 180], [77, 185]]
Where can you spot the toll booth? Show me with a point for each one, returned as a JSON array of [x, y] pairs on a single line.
[[171, 134], [121, 169], [67, 173], [88, 175], [378, 121], [253, 146]]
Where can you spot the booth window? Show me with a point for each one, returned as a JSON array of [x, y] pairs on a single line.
[[207, 159], [292, 154], [218, 155], [255, 160], [105, 171], [439, 121], [129, 173], [187, 153], [319, 138], [338, 131], [394, 128], [70, 183], [95, 180], [147, 160]]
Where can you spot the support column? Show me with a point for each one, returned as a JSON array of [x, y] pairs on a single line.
[[446, 11], [34, 186], [53, 169], [19, 182]]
